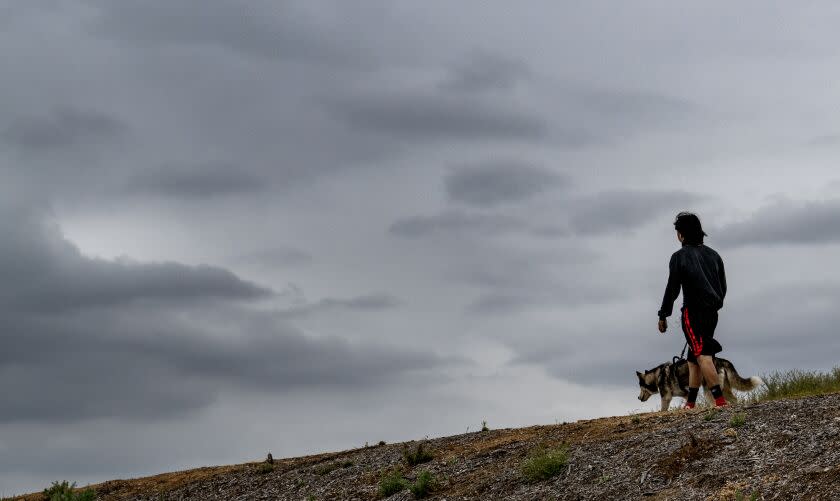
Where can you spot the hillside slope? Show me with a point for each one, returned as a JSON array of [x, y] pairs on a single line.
[[787, 449]]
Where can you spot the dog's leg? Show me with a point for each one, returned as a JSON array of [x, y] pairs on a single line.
[[666, 402]]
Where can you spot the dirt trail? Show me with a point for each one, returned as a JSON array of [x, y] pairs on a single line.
[[786, 450]]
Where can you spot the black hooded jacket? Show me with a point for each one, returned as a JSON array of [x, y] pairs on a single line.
[[699, 271]]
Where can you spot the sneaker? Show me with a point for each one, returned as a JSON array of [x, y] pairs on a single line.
[[688, 405], [720, 402]]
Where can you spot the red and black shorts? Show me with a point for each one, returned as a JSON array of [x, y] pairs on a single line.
[[698, 325]]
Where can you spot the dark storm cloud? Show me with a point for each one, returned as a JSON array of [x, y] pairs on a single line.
[[197, 182], [435, 116], [498, 182], [484, 71], [45, 273], [63, 128], [786, 223], [622, 210], [86, 338]]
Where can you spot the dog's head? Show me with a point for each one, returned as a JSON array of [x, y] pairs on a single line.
[[647, 384]]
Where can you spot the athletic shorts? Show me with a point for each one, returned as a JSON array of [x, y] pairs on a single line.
[[698, 326]]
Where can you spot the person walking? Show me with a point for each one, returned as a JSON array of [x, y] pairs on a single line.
[[698, 270]]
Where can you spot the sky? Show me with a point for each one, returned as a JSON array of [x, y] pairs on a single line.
[[230, 228]]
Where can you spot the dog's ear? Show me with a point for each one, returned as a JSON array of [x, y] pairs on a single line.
[[640, 375]]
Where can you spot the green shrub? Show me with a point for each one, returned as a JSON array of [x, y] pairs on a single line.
[[484, 426], [66, 491], [738, 419], [264, 468], [739, 496], [419, 456], [391, 483], [423, 485], [543, 464]]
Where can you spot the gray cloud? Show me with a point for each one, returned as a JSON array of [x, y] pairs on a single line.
[[286, 31], [785, 326], [568, 294], [483, 71], [622, 210], [786, 223], [618, 211], [366, 303], [497, 182], [86, 338], [640, 106], [433, 116], [63, 128], [455, 222], [46, 273], [196, 182], [276, 257]]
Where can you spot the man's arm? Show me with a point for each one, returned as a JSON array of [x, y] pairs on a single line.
[[672, 290], [722, 280]]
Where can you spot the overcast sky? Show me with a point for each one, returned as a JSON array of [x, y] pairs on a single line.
[[230, 227]]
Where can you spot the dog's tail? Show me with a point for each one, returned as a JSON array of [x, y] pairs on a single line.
[[741, 383]]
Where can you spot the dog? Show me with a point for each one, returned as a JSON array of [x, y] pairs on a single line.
[[671, 380]]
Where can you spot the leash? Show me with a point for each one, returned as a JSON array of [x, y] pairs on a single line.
[[681, 355], [674, 362]]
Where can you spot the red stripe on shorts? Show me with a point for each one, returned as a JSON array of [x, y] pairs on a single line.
[[696, 344]]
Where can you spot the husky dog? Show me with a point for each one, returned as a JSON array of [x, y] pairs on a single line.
[[671, 380]]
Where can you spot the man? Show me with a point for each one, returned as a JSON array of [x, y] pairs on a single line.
[[698, 269]]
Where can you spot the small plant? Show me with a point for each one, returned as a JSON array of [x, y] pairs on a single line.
[[381, 443], [423, 485], [484, 426], [330, 467], [545, 463], [391, 483], [710, 414], [310, 498], [264, 468], [739, 496], [738, 420], [420, 455], [66, 491], [636, 419]]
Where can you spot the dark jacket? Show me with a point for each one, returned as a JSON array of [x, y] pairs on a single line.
[[699, 271]]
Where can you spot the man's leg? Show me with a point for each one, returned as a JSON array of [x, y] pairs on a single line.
[[694, 378], [707, 365]]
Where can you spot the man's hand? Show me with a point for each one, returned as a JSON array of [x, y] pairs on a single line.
[[663, 326]]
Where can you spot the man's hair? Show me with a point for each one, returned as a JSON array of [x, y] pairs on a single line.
[[689, 225]]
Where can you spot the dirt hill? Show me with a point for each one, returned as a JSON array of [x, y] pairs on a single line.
[[786, 449]]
